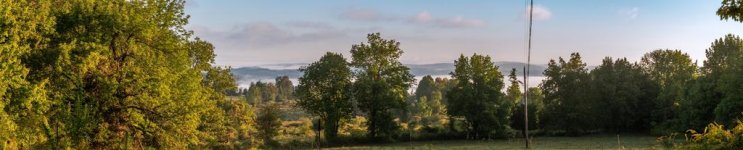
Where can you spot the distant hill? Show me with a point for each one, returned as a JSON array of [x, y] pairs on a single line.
[[267, 73]]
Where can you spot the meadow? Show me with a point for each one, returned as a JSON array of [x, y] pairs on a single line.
[[603, 141]]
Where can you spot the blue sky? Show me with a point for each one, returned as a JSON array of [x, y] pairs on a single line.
[[260, 32]]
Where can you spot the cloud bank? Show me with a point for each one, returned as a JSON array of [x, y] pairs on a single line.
[[423, 18]]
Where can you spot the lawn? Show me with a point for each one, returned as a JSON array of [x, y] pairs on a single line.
[[584, 142]]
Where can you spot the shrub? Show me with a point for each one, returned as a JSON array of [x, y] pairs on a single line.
[[269, 123], [715, 137]]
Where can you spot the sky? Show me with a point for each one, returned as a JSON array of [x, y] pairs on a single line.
[[263, 32]]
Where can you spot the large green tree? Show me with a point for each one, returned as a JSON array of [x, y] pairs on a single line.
[[477, 96], [724, 65], [566, 96], [381, 82], [110, 74], [324, 91], [672, 70], [623, 94]]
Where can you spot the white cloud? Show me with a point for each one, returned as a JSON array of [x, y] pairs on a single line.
[[540, 12], [422, 18], [365, 15], [453, 22], [630, 13], [310, 25], [459, 21]]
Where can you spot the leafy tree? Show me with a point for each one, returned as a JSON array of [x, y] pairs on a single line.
[[536, 107], [426, 87], [269, 122], [697, 108], [323, 91], [623, 94], [672, 70], [724, 66], [110, 74], [254, 94], [23, 105], [285, 88], [566, 98], [477, 96], [731, 9], [270, 92], [381, 83]]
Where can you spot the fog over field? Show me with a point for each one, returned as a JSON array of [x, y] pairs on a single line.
[[268, 73]]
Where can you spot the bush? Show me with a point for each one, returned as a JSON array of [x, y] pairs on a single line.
[[269, 123], [714, 137]]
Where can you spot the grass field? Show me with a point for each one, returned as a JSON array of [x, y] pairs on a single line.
[[584, 142]]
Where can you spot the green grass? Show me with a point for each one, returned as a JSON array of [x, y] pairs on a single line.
[[583, 142]]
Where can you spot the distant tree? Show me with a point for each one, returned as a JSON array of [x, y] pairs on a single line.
[[623, 94], [566, 97], [513, 92], [436, 103], [254, 94], [672, 70], [285, 88], [426, 87], [324, 91], [444, 85], [270, 92], [477, 96], [381, 83]]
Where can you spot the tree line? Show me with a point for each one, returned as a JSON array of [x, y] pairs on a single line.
[[664, 92]]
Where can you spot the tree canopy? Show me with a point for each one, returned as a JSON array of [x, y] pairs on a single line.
[[381, 82]]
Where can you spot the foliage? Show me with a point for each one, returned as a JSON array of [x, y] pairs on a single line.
[[354, 127], [285, 89], [731, 9], [623, 94], [269, 123], [724, 65], [565, 96], [536, 108], [381, 82], [673, 71], [262, 92], [715, 137], [323, 91], [112, 74], [23, 104], [477, 96]]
